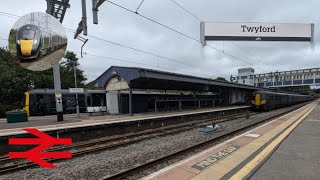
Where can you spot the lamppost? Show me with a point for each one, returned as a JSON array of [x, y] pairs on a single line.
[[75, 84]]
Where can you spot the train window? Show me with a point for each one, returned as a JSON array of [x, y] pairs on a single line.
[[27, 34], [49, 100], [71, 101]]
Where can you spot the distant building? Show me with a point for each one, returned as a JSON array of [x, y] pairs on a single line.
[[244, 76], [300, 77]]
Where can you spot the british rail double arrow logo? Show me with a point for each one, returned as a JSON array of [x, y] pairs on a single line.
[[37, 154]]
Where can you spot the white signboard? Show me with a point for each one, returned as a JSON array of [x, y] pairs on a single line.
[[256, 32], [76, 90]]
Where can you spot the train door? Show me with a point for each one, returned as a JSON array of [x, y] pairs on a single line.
[[50, 43], [40, 106], [88, 100], [50, 104], [33, 105]]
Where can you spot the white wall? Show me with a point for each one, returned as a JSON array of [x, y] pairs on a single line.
[[112, 102]]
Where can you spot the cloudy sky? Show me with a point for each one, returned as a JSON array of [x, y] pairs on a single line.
[[120, 26]]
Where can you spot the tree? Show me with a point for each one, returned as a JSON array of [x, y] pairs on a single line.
[[221, 79], [67, 71], [14, 81]]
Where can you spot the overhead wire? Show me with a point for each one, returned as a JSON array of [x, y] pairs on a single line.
[[181, 33], [222, 51], [134, 62], [153, 54], [149, 53], [192, 14], [195, 16], [9, 15], [154, 21], [249, 53], [139, 6], [157, 55]]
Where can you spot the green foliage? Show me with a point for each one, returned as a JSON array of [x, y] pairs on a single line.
[[67, 71], [15, 80], [221, 79], [12, 41]]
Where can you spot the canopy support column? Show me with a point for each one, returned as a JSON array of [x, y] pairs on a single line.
[[130, 100]]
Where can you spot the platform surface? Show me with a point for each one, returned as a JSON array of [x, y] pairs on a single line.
[[298, 157], [241, 156], [71, 120]]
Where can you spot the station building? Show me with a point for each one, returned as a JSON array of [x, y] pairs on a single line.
[[302, 77], [130, 90]]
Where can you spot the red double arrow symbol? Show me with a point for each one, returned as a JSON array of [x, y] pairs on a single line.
[[37, 154]]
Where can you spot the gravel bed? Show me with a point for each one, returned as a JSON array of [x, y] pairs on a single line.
[[95, 166]]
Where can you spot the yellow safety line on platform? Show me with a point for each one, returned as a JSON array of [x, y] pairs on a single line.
[[254, 163]]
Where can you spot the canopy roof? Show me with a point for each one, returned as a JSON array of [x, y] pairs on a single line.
[[142, 78]]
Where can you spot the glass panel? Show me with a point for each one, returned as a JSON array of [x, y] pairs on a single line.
[[27, 34]]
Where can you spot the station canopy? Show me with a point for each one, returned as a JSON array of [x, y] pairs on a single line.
[[120, 78]]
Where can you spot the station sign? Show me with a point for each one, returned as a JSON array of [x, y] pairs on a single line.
[[256, 32], [76, 90]]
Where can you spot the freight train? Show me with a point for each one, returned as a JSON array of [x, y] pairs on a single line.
[[267, 100], [33, 42]]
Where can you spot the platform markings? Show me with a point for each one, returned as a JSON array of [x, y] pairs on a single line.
[[313, 120], [215, 158], [249, 168], [252, 135]]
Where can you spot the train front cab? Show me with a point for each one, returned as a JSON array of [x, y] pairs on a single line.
[[28, 41], [258, 101]]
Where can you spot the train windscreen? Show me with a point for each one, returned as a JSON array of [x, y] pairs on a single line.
[[27, 34]]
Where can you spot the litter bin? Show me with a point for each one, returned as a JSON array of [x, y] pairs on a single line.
[[16, 116]]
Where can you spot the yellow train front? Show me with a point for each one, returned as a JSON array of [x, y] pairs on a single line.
[[258, 101], [28, 42], [267, 100]]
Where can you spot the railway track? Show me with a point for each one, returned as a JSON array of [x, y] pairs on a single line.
[[139, 168], [8, 165]]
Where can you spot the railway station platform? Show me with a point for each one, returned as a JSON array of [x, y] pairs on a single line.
[[71, 121], [284, 148]]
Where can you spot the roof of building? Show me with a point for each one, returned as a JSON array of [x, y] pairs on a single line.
[[143, 78]]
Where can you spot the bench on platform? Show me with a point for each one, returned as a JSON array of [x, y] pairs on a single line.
[[96, 109]]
